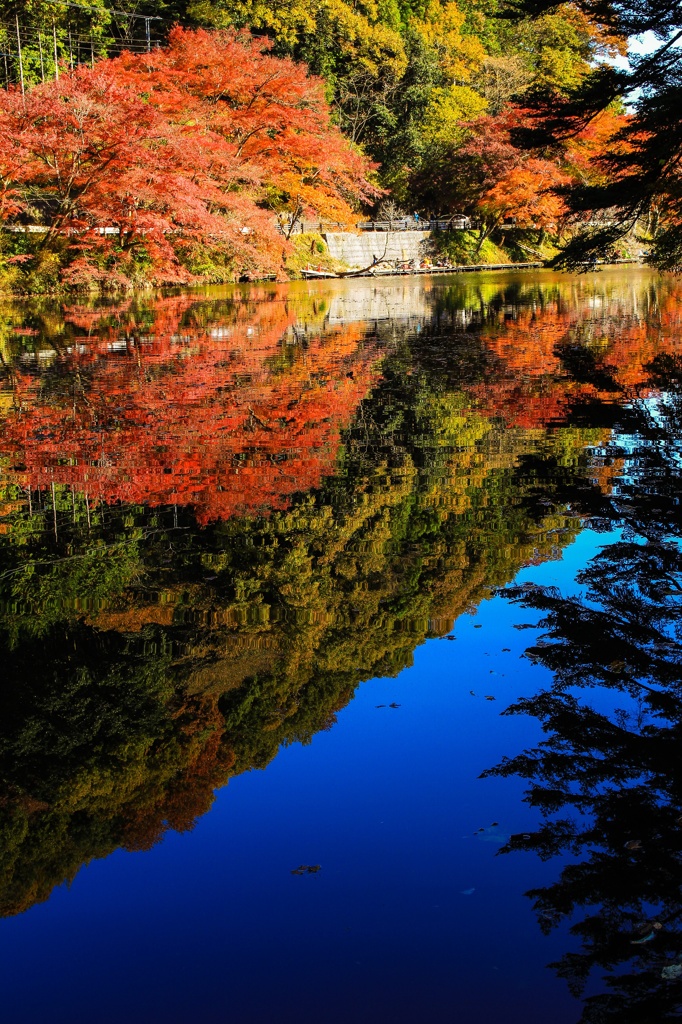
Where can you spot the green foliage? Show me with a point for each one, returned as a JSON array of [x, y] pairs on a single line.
[[31, 265], [462, 248], [310, 250]]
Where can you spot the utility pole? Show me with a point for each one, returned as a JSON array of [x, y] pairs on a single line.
[[42, 65], [56, 65], [54, 512], [21, 62]]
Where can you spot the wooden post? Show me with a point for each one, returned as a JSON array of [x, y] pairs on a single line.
[[70, 49], [21, 62], [149, 43]]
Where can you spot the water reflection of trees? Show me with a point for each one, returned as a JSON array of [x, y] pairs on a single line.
[[607, 778], [179, 656], [189, 641], [226, 406]]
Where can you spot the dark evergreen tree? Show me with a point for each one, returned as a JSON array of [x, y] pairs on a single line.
[[640, 186]]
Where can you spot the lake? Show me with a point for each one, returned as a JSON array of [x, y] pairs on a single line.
[[341, 633]]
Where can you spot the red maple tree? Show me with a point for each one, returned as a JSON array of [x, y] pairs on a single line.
[[197, 145]]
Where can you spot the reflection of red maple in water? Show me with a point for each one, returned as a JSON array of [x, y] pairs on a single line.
[[532, 388], [528, 392], [232, 418]]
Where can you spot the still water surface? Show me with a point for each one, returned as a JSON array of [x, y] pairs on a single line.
[[273, 746]]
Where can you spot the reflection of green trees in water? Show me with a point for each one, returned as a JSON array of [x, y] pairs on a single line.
[[179, 656], [607, 778]]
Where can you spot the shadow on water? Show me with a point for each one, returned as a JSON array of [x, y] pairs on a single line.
[[221, 513]]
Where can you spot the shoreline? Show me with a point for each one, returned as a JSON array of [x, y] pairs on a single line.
[[314, 275], [307, 275]]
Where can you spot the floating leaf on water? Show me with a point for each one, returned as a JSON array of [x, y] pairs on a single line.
[[489, 698], [648, 930], [394, 705], [646, 938], [306, 869], [634, 844]]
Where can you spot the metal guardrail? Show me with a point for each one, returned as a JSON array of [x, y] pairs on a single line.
[[457, 223], [42, 229], [414, 224]]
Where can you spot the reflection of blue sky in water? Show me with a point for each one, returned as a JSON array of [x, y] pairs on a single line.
[[388, 802]]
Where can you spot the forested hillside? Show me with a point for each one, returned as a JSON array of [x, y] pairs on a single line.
[[203, 149]]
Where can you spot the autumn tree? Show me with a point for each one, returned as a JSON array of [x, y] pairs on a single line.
[[271, 116], [640, 168], [186, 154], [528, 194]]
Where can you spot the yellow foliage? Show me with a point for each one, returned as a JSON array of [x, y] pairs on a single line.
[[460, 56], [353, 30], [447, 114]]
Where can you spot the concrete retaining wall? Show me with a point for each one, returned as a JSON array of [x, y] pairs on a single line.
[[361, 249]]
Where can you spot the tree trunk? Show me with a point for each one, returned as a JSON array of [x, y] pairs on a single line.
[[486, 233]]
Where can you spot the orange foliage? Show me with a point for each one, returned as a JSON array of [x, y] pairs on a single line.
[[528, 193], [533, 389], [269, 114], [188, 146], [230, 420], [585, 150]]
